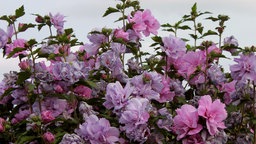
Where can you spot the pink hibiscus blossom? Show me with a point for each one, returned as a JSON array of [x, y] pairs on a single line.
[[83, 91], [186, 121], [213, 112], [144, 22]]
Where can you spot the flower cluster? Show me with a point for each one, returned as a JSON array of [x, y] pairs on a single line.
[[97, 95]]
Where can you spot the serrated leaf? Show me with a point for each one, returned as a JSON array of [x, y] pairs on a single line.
[[19, 12], [91, 84], [110, 10], [186, 16], [7, 92], [22, 76], [121, 18], [217, 55], [157, 39], [200, 29], [212, 18], [6, 18], [68, 31], [193, 36], [24, 27], [39, 27], [25, 139], [169, 30], [15, 50], [32, 42], [209, 32], [194, 8], [185, 27], [166, 25]]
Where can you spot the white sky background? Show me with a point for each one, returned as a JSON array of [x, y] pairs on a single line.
[[84, 15]]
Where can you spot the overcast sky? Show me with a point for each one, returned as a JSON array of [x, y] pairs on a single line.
[[84, 15]]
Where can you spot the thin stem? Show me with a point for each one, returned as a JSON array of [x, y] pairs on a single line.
[[194, 21], [254, 111], [139, 54], [15, 31], [50, 31], [166, 65]]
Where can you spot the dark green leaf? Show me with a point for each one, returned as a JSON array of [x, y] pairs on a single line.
[[6, 18], [7, 92], [22, 76], [32, 42], [166, 25], [193, 36], [19, 12], [68, 31], [185, 27], [39, 27], [121, 18], [209, 32], [186, 16], [25, 139], [157, 39], [212, 18], [110, 10], [24, 27], [194, 8], [200, 29], [16, 50]]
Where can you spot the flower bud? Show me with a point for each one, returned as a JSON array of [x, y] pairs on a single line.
[[47, 116], [39, 19], [24, 65], [48, 137]]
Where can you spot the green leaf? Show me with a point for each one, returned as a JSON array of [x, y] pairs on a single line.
[[194, 9], [16, 50], [40, 26], [32, 42], [110, 10], [22, 76], [19, 12], [6, 18], [200, 29], [166, 25], [212, 18], [25, 139], [24, 27], [157, 39], [121, 18], [68, 31], [91, 84], [193, 36], [217, 55], [185, 27], [209, 32], [7, 92]]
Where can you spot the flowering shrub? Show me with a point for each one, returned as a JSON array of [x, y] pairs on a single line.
[[179, 94]]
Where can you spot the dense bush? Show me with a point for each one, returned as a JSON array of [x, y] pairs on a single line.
[[110, 91]]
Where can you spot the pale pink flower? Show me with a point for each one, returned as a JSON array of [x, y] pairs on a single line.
[[47, 116], [19, 43], [117, 96], [186, 121], [144, 22], [213, 112], [120, 33], [229, 89], [135, 113]]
